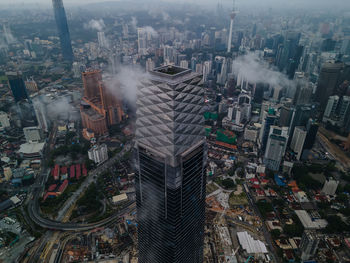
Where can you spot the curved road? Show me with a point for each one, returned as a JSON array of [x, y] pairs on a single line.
[[33, 206]]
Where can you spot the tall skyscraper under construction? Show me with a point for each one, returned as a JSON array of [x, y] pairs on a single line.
[[170, 163], [63, 30]]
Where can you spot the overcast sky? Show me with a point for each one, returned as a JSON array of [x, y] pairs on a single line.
[[338, 4]]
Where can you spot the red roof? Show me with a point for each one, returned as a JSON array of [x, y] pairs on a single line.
[[63, 186], [256, 186], [48, 194], [254, 181], [72, 171], [52, 187], [78, 171], [56, 171], [262, 174], [264, 181], [84, 170], [64, 170]]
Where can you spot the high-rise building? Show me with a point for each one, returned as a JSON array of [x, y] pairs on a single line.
[[309, 244], [17, 86], [99, 108], [276, 147], [98, 153], [102, 40], [63, 30], [312, 129], [303, 92], [327, 83], [170, 167], [41, 113], [298, 140], [300, 117], [269, 119], [330, 187]]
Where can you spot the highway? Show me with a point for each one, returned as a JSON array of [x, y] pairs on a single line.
[[34, 210]]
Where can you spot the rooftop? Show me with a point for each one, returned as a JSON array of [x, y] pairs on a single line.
[[172, 75]]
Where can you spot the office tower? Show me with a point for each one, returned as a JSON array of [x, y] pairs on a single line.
[[232, 16], [183, 64], [275, 147], [345, 47], [298, 140], [99, 108], [17, 86], [170, 167], [207, 66], [98, 153], [102, 40], [41, 114], [327, 83], [63, 30], [309, 244], [286, 114], [269, 119], [300, 117], [142, 41], [312, 129], [331, 108], [289, 53], [26, 113], [337, 111], [150, 65], [7, 34], [303, 89]]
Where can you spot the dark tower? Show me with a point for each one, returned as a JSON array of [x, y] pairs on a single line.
[[170, 154], [17, 86], [63, 31]]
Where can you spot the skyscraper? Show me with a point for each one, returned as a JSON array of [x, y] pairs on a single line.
[[63, 31], [276, 147], [327, 83], [170, 167], [17, 86]]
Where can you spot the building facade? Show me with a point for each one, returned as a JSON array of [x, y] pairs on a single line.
[[98, 153], [170, 167], [63, 30], [276, 147]]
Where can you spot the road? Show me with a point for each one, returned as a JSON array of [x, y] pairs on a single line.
[[34, 210], [264, 229]]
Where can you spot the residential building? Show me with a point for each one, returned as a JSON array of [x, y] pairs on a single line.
[[98, 153], [298, 140], [309, 244]]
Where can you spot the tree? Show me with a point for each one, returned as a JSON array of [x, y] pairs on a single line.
[[275, 233], [228, 183]]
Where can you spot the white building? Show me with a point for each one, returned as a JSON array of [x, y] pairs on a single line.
[[276, 147], [184, 64], [4, 120], [150, 65], [98, 153], [309, 244], [102, 40], [330, 187], [298, 140], [32, 134]]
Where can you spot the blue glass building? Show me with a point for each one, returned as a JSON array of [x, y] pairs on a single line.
[[63, 30]]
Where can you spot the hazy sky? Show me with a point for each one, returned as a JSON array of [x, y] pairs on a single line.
[[334, 4]]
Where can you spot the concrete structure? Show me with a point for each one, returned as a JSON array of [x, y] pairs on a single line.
[[330, 187], [119, 198], [4, 120], [250, 245], [102, 40], [17, 86], [309, 222], [276, 147], [98, 153], [32, 134], [31, 150], [251, 133], [309, 244], [298, 140], [170, 164]]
